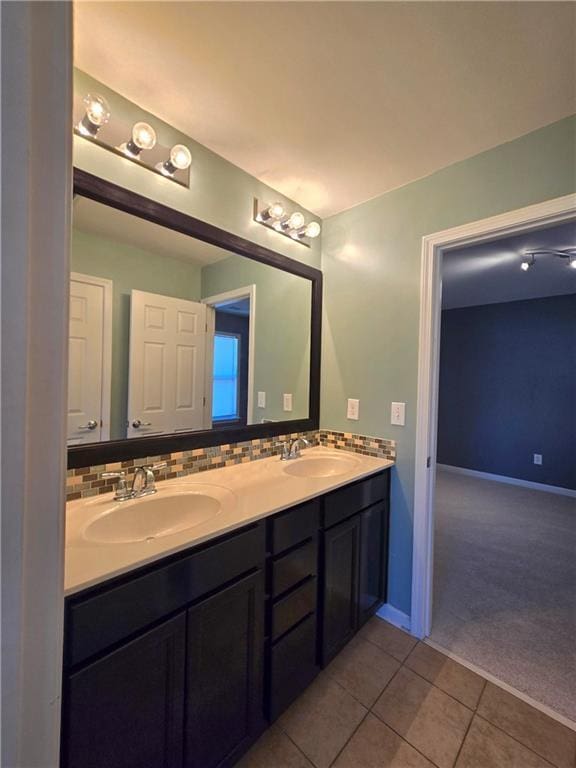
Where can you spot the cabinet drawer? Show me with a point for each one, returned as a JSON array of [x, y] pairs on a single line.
[[292, 666], [345, 502], [294, 525], [291, 609], [289, 569], [100, 620]]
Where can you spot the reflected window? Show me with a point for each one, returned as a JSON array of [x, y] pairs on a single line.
[[226, 380]]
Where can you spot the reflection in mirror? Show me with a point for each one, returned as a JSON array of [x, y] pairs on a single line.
[[169, 334]]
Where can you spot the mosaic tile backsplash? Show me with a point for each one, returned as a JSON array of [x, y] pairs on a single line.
[[87, 481]]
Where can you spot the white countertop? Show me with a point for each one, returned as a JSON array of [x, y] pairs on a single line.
[[259, 488]]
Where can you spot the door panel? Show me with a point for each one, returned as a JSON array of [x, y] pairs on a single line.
[[372, 544], [341, 570], [167, 357], [224, 711], [85, 368], [126, 709]]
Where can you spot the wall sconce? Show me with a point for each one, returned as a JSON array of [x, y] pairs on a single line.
[[97, 114], [180, 159], [293, 225], [92, 122], [143, 137]]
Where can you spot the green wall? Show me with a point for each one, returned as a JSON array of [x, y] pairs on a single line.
[[371, 263], [220, 192], [129, 268], [282, 332]]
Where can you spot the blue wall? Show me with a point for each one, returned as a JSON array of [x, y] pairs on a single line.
[[508, 389]]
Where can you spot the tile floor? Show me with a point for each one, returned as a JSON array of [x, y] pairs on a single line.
[[388, 701]]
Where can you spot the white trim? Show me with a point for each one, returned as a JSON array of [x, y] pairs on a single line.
[[394, 616], [106, 394], [531, 217], [510, 689], [230, 297], [508, 480]]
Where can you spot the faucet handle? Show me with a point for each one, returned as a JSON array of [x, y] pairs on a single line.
[[159, 465], [284, 444], [122, 492]]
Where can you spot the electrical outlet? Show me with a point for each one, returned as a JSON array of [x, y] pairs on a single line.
[[398, 414], [287, 402], [538, 458], [353, 409], [261, 399]]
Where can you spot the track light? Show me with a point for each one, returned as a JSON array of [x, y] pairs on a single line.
[[143, 137], [97, 114], [180, 159], [526, 264]]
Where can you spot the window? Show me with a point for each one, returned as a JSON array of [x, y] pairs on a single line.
[[226, 379]]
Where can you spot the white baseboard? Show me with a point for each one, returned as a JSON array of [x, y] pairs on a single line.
[[501, 684], [508, 480], [394, 616]]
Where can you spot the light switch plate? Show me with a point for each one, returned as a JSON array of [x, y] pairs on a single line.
[[261, 399], [538, 459], [353, 409], [287, 402], [398, 414]]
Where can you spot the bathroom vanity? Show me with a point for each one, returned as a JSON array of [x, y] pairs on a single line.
[[183, 661]]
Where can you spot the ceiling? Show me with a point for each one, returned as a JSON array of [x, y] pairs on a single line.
[[333, 103], [121, 227], [489, 273]]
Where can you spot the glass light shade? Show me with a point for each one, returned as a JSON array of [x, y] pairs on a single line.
[[312, 229], [180, 157], [276, 210], [97, 109], [144, 136], [296, 220]]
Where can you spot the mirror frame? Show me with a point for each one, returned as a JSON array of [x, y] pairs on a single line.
[[102, 191]]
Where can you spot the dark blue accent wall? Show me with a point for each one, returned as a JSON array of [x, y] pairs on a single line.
[[508, 389]]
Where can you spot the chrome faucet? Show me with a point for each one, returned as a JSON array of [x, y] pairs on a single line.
[[143, 483], [291, 449]]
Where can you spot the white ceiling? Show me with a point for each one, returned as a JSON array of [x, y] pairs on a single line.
[[121, 227], [335, 103], [489, 273]]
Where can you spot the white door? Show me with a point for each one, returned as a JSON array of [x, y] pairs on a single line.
[[167, 364], [88, 363]]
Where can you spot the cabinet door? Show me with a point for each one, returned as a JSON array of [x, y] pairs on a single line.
[[373, 547], [126, 709], [225, 646], [340, 593]]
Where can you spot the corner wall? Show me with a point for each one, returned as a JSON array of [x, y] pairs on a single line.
[[371, 258]]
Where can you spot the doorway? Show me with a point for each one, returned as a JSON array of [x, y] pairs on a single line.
[[435, 247]]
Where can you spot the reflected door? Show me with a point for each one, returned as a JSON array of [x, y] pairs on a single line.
[[87, 361], [167, 365]]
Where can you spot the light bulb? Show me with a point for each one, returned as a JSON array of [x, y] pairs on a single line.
[[276, 210], [572, 262], [312, 229], [97, 115], [144, 136], [180, 157], [295, 221], [525, 266]]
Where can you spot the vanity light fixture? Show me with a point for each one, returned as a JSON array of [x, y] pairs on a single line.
[[529, 258], [143, 137], [97, 114], [291, 225], [180, 159]]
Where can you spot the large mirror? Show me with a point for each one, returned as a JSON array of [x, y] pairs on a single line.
[[175, 337]]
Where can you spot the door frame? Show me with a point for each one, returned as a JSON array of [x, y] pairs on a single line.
[[230, 297], [535, 216], [106, 392]]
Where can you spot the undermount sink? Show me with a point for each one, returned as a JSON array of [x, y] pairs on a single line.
[[166, 513], [321, 466]]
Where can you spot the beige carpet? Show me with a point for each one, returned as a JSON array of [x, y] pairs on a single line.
[[505, 584]]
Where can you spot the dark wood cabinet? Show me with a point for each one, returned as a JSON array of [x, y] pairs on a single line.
[[224, 675], [340, 592], [373, 560], [125, 709]]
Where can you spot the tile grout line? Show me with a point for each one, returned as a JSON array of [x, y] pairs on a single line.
[[349, 739], [529, 749]]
